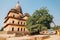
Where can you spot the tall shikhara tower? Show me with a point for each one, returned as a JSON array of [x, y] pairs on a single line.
[[15, 20]]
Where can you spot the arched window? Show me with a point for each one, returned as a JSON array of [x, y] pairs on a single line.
[[12, 29], [18, 22], [21, 29], [18, 29], [12, 21], [24, 29], [21, 23], [24, 23], [13, 15]]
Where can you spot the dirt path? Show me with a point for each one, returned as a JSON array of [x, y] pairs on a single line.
[[54, 37]]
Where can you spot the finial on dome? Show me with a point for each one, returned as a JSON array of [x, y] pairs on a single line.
[[18, 2], [18, 7]]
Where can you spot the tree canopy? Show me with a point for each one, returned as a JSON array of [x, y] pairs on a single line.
[[40, 20]]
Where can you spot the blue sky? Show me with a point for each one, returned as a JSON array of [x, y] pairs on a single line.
[[30, 6]]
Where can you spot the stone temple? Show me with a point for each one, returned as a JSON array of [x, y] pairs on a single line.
[[15, 20]]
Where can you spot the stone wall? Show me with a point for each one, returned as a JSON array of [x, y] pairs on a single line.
[[37, 37], [2, 38], [3, 32], [7, 35]]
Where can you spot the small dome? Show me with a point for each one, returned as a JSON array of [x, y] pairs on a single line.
[[26, 14]]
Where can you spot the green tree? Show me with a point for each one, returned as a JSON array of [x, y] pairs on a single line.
[[40, 20]]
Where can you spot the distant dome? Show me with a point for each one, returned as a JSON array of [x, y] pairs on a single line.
[[26, 14]]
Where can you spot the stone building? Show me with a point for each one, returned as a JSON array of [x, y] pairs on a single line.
[[15, 20]]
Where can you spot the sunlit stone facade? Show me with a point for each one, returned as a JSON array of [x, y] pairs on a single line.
[[16, 20]]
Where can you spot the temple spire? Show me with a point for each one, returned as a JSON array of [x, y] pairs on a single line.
[[18, 7], [18, 2]]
